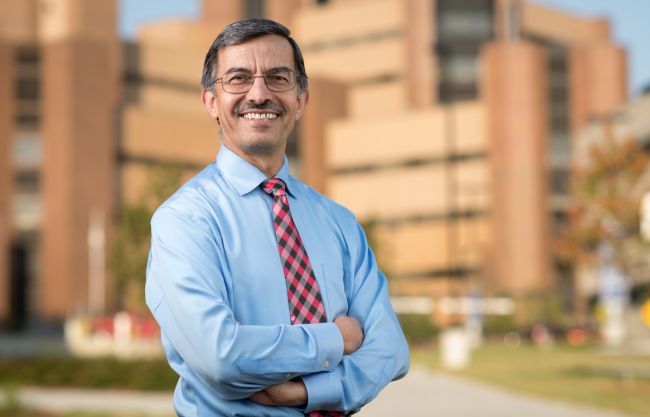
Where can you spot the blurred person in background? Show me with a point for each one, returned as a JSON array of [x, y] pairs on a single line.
[[269, 299]]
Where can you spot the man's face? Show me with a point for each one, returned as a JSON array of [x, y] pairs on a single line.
[[259, 121]]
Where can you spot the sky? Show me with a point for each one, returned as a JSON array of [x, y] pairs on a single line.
[[630, 21]]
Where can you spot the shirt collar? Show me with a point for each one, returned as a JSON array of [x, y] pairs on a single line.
[[243, 175]]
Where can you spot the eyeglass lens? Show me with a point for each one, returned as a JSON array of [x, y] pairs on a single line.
[[241, 82]]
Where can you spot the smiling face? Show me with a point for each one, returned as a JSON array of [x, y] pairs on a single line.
[[256, 124]]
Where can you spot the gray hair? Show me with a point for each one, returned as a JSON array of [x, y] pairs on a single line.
[[239, 32]]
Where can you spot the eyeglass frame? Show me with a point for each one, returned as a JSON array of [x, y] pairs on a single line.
[[263, 76]]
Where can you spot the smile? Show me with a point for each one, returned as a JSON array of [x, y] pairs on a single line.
[[260, 116]]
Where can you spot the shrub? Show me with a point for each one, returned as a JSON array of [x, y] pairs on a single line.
[[417, 328]]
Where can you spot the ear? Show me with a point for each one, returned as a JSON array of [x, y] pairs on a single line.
[[303, 98], [209, 100]]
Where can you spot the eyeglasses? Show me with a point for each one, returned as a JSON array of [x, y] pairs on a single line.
[[239, 82]]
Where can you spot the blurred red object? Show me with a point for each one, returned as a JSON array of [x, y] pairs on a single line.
[[576, 337], [102, 325]]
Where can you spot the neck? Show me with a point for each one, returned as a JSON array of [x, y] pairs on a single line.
[[269, 164]]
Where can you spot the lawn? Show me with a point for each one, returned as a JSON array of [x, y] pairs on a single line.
[[586, 375]]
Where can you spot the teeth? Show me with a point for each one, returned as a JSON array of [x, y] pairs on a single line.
[[260, 116]]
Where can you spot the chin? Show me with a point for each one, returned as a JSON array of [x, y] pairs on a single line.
[[264, 146]]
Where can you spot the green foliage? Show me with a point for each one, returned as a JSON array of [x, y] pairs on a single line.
[[11, 404], [499, 325], [88, 373], [418, 328], [25, 413], [130, 246], [606, 195], [541, 307], [370, 227]]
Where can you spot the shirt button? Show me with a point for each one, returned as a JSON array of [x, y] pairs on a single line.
[[293, 318], [326, 364]]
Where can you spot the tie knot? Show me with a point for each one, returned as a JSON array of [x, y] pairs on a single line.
[[274, 187]]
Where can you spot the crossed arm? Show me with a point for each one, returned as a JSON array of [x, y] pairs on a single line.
[[294, 393], [252, 361]]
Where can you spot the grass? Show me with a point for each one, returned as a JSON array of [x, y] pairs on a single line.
[[585, 375]]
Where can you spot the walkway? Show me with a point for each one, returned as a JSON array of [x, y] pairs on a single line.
[[423, 394]]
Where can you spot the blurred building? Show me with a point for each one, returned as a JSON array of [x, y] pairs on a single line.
[[60, 77], [455, 139], [444, 125]]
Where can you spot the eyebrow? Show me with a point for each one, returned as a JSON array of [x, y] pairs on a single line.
[[246, 70]]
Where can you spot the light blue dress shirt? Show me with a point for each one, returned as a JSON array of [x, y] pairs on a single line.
[[215, 285]]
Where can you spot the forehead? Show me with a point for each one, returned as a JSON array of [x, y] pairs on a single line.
[[263, 52]]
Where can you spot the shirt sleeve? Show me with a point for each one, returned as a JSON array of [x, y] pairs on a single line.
[[187, 295], [384, 354]]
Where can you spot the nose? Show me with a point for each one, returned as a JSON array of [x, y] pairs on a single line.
[[258, 93]]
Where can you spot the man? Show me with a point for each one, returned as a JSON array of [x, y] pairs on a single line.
[[268, 297]]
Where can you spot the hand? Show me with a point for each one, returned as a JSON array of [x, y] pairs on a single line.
[[352, 333], [291, 393]]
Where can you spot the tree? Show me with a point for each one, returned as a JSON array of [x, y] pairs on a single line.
[[130, 246], [606, 190]]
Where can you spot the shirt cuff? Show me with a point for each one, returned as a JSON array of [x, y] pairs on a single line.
[[324, 391], [329, 345]]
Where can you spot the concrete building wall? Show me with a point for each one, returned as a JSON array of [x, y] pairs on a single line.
[[159, 134], [6, 173], [79, 170], [413, 248], [514, 89], [598, 77], [376, 100], [279, 10], [393, 171], [422, 75], [282, 11], [164, 119], [18, 21], [315, 25], [363, 61], [222, 10], [181, 63], [563, 28], [67, 19], [328, 101], [392, 193], [390, 139]]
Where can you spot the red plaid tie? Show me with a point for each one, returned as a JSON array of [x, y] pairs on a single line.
[[305, 302]]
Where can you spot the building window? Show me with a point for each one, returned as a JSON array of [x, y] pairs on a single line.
[[27, 150], [27, 87], [463, 27], [254, 8]]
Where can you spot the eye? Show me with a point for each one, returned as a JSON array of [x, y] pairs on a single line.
[[238, 78], [279, 78]]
